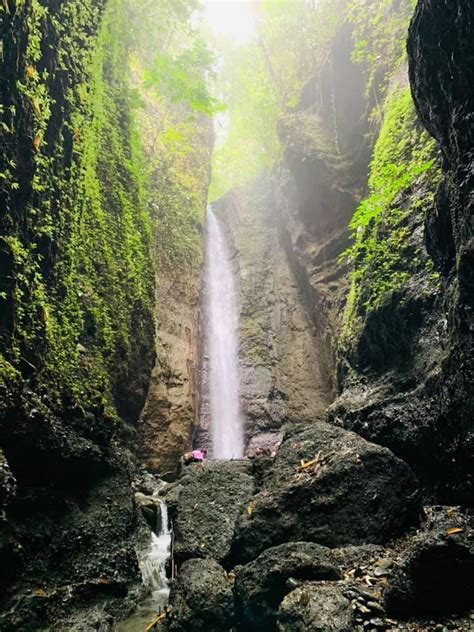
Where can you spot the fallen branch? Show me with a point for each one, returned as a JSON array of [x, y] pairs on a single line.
[[159, 618], [315, 461]]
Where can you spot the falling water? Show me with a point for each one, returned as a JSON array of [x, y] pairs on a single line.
[[154, 562], [153, 568], [222, 337]]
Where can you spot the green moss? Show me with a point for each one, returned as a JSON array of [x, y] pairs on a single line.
[[379, 35], [77, 228], [404, 176]]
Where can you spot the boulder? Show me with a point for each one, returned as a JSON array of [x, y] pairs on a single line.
[[265, 440], [319, 607], [149, 508], [261, 585], [201, 598], [348, 491], [436, 577], [207, 503]]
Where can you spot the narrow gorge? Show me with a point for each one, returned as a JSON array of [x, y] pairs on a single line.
[[236, 315]]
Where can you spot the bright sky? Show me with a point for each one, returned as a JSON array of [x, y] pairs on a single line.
[[232, 17]]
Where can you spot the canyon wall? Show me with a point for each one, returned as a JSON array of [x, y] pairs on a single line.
[[406, 374], [169, 414], [76, 314]]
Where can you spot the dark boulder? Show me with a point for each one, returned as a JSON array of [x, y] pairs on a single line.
[[261, 585], [207, 502], [353, 492], [436, 577], [316, 607], [201, 598]]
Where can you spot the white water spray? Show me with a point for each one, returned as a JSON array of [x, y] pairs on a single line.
[[153, 565], [153, 568], [222, 337]]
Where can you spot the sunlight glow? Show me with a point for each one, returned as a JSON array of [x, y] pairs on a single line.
[[231, 17]]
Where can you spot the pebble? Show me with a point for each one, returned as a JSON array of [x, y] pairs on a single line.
[[365, 593], [374, 605], [384, 563], [292, 583]]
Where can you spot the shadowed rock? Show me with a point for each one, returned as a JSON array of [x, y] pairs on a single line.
[[353, 492], [437, 577], [201, 598], [315, 607], [261, 585], [206, 507]]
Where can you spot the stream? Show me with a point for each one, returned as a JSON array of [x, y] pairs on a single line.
[[152, 562]]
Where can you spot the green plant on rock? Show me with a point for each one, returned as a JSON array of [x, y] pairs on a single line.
[[404, 175], [379, 35]]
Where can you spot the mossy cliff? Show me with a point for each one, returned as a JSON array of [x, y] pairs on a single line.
[[403, 368], [77, 290]]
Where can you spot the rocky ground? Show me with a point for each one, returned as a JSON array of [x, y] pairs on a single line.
[[68, 555], [330, 535]]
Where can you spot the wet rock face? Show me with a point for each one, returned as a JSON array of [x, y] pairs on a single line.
[[201, 598], [261, 585], [352, 492], [169, 413], [207, 503], [327, 150], [316, 607], [441, 64], [75, 551], [280, 372], [437, 577]]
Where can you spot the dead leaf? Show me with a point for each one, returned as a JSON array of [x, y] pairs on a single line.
[[31, 71], [37, 143], [454, 530]]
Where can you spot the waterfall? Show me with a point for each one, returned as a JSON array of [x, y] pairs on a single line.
[[153, 565], [152, 562], [222, 341]]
